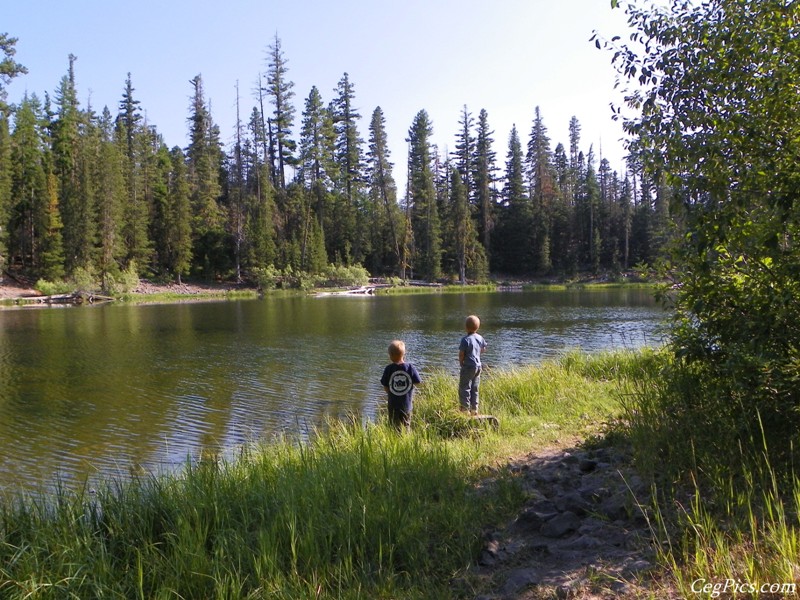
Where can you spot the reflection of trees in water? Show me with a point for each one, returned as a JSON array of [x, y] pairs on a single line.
[[88, 389]]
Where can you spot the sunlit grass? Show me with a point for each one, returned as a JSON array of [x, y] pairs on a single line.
[[591, 285], [716, 522], [742, 540], [205, 295], [402, 290], [355, 512], [361, 511]]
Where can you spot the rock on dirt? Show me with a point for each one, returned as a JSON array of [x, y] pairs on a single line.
[[583, 533]]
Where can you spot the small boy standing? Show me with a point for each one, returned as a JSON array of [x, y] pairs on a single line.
[[469, 357], [399, 379]]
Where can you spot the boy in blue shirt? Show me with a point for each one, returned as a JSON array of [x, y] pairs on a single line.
[[399, 379], [469, 357]]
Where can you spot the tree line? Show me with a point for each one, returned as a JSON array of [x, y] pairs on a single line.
[[100, 194]]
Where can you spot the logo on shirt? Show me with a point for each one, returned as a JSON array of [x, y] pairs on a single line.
[[400, 383]]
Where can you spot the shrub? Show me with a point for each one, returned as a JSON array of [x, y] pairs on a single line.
[[340, 275], [52, 288], [267, 278], [122, 282], [85, 279]]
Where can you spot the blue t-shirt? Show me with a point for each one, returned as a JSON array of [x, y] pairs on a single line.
[[400, 379], [472, 345]]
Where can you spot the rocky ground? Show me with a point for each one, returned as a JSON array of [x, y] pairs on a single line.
[[584, 532]]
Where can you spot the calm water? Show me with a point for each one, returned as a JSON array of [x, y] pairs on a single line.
[[95, 391]]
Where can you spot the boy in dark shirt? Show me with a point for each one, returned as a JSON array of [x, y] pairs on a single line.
[[399, 379]]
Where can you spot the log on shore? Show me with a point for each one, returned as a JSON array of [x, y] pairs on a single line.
[[361, 291], [77, 298], [74, 298], [486, 420]]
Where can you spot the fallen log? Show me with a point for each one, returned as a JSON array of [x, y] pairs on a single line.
[[74, 298], [489, 420], [361, 291]]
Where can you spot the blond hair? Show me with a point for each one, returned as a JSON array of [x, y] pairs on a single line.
[[472, 324], [397, 350]]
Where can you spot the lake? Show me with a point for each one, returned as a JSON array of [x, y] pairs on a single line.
[[104, 390]]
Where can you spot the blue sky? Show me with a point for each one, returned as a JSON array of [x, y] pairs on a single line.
[[507, 56]]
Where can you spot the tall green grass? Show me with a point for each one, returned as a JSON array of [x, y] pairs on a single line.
[[724, 513], [206, 295], [354, 512], [454, 288], [742, 540], [357, 513]]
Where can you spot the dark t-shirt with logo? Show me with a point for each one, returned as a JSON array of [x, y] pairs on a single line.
[[400, 379]]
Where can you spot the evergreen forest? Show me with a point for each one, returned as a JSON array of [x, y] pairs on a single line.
[[89, 193]]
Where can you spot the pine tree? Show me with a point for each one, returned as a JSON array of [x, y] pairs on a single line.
[[464, 154], [203, 155], [512, 239], [153, 166], [178, 228], [52, 246], [590, 198], [28, 214], [260, 249], [575, 162], [129, 119], [541, 177], [136, 209], [462, 222], [5, 187], [450, 214], [388, 221], [484, 178], [262, 133], [73, 146], [626, 220], [9, 69], [204, 166], [425, 222], [347, 236], [236, 192], [109, 191], [279, 90], [160, 168], [564, 253], [317, 164], [348, 142], [608, 182], [303, 234]]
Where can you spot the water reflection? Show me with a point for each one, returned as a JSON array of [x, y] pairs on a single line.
[[102, 390]]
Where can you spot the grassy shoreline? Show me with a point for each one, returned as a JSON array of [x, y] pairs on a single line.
[[357, 512], [166, 294]]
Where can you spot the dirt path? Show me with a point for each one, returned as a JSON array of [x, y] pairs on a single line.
[[583, 533]]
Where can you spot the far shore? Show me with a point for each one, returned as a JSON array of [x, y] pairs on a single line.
[[19, 291], [11, 290]]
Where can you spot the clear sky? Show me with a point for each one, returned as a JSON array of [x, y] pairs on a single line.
[[507, 56]]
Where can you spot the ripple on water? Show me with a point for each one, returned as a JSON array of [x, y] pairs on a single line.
[[109, 391]]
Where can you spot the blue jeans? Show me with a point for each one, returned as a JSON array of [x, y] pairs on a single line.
[[468, 384]]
